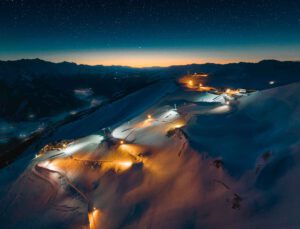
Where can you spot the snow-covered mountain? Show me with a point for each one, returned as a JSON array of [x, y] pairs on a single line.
[[156, 165]]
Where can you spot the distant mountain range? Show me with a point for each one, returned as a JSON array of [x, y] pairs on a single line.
[[281, 71], [39, 68], [45, 88]]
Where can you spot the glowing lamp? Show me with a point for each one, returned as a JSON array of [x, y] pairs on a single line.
[[178, 126], [125, 164]]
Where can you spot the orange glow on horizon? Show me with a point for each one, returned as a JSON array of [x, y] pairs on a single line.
[[141, 59], [149, 57], [147, 62]]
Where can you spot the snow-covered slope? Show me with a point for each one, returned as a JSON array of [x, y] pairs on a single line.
[[265, 121], [106, 116], [198, 166], [116, 112], [259, 145]]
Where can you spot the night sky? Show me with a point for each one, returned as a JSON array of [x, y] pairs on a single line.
[[150, 32]]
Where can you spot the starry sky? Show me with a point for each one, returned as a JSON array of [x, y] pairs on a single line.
[[150, 32]]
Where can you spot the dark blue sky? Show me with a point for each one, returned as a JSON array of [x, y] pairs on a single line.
[[158, 32]]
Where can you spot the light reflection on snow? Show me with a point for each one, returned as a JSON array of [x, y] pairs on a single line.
[[123, 131], [74, 147], [220, 109]]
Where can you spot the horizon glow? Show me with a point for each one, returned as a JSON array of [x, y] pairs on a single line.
[[141, 33], [161, 58]]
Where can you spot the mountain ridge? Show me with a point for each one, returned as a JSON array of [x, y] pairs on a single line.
[[39, 60]]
